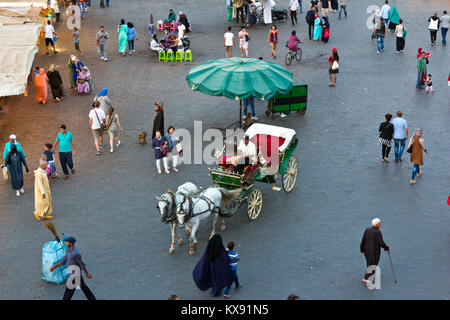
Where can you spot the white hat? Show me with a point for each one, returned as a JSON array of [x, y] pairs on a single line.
[[13, 137], [375, 222]]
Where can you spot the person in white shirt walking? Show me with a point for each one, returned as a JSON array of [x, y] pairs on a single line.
[[400, 33], [384, 12], [97, 124], [228, 42], [400, 135], [49, 34], [293, 8], [433, 26]]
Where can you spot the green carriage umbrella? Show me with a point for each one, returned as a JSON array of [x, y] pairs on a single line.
[[239, 78]]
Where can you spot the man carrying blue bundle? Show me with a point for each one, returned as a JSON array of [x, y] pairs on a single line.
[[73, 258]]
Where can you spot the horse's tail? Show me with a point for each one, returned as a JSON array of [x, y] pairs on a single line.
[[228, 195]]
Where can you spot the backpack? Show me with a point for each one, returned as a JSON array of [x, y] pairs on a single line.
[[310, 16]]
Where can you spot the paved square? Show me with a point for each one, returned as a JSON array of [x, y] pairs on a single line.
[[305, 242]]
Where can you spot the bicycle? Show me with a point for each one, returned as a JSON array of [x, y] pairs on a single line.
[[291, 55]]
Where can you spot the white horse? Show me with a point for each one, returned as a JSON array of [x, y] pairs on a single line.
[[167, 205], [193, 209]]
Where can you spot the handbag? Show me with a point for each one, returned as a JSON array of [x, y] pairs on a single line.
[[164, 150], [409, 150], [404, 33], [335, 65], [179, 148], [326, 33], [5, 173], [102, 124]]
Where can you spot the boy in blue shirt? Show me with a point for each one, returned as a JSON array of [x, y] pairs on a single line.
[[233, 259]]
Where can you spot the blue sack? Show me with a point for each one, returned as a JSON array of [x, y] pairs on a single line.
[[52, 253]]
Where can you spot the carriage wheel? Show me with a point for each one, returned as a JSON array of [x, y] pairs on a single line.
[[290, 176], [254, 204]]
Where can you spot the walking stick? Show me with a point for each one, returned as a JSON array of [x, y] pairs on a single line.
[[392, 266]]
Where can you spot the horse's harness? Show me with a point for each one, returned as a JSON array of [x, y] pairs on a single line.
[[171, 214], [190, 214]]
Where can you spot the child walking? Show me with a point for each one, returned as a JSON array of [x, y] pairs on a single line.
[[49, 157], [76, 39], [233, 259], [429, 84]]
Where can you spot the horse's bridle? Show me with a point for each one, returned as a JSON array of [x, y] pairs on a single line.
[[170, 215]]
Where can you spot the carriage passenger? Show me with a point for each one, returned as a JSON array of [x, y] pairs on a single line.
[[246, 155]]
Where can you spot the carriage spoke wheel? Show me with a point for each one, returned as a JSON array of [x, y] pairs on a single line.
[[254, 204], [290, 176]]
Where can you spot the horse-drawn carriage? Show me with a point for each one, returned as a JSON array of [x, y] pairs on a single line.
[[275, 147]]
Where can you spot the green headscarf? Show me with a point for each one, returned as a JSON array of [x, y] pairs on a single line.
[[393, 15]]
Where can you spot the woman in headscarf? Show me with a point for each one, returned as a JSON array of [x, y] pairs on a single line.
[[105, 103], [72, 78], [40, 83], [55, 81], [184, 20], [171, 18], [325, 29], [77, 66], [122, 30], [83, 80], [212, 270], [427, 56], [416, 146], [14, 161], [393, 18], [317, 28], [158, 122]]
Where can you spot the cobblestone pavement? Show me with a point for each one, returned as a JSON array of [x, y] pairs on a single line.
[[305, 242]]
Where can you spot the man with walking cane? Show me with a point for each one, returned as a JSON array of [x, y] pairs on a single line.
[[370, 245], [73, 260]]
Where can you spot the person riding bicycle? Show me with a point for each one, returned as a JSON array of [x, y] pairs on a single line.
[[292, 43]]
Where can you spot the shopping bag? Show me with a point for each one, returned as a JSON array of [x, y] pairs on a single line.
[[5, 173]]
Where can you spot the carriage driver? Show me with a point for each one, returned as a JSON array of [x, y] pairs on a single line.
[[246, 155]]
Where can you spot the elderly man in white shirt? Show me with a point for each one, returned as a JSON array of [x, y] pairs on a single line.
[[246, 154]]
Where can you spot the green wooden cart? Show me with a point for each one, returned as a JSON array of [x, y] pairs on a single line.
[[295, 100], [264, 136]]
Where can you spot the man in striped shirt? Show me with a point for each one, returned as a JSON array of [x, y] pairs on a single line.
[[233, 259]]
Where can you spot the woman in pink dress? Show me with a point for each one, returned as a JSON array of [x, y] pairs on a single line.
[[83, 80]]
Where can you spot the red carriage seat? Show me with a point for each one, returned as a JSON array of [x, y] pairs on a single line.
[[264, 143]]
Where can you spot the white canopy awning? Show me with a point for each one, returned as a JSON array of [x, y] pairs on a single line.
[[23, 3], [19, 45], [19, 33]]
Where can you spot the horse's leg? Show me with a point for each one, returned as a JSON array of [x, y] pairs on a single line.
[[188, 228], [222, 227], [193, 245], [180, 240], [213, 231], [172, 246]]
